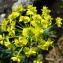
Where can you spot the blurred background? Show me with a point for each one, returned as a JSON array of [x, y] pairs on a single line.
[[55, 5]]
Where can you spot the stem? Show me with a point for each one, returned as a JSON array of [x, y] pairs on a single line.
[[3, 39], [19, 27], [19, 30], [20, 24], [30, 21], [19, 51]]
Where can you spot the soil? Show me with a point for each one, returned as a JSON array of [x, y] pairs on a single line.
[[56, 54]]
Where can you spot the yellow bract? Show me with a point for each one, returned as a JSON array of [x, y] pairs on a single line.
[[25, 19], [25, 32], [4, 24], [1, 38], [30, 51], [37, 61], [45, 44], [13, 15], [16, 58], [22, 41], [38, 31], [31, 10], [8, 44], [18, 8], [33, 23], [37, 17], [11, 31]]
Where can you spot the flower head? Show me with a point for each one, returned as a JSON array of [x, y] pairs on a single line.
[[22, 41], [25, 19], [58, 21], [18, 8], [31, 10], [16, 58], [13, 15], [30, 51]]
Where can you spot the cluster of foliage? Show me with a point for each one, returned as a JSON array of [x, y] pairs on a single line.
[[23, 33]]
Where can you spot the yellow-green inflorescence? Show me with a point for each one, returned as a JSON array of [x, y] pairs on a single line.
[[59, 22], [26, 32]]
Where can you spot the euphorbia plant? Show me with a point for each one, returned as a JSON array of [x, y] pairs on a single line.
[[22, 32]]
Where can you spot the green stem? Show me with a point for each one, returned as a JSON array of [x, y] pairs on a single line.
[[3, 39], [19, 27], [20, 24], [20, 51]]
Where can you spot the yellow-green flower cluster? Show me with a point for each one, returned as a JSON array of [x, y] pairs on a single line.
[[45, 44], [31, 10], [47, 21], [25, 33], [26, 19], [4, 24], [30, 51], [8, 44], [16, 58], [59, 21], [45, 10], [18, 8], [21, 41], [13, 15]]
